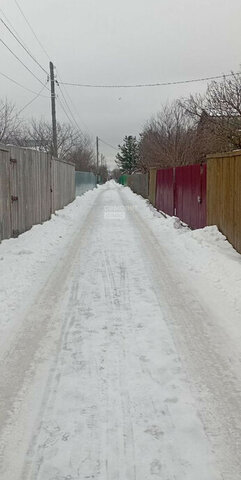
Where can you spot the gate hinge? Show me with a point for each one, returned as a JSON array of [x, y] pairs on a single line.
[[14, 198], [13, 160]]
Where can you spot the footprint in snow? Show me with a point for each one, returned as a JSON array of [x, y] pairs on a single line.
[[154, 431], [156, 468]]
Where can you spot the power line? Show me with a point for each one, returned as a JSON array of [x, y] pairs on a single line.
[[68, 107], [108, 144], [22, 63], [31, 101], [22, 86], [63, 108], [11, 25], [32, 30], [143, 85], [46, 53], [70, 100], [23, 46]]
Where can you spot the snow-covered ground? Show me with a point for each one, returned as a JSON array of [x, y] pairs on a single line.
[[120, 347]]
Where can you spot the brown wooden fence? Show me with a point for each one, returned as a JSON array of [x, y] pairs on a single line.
[[224, 195], [32, 186], [152, 186]]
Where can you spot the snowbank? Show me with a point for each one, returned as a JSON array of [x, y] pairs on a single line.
[[203, 255]]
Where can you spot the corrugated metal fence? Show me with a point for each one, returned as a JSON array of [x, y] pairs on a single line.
[[84, 181], [138, 182], [181, 191], [123, 179], [202, 194], [32, 186]]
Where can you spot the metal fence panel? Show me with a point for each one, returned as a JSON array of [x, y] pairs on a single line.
[[138, 182], [84, 181], [123, 180], [181, 191], [165, 190], [190, 195]]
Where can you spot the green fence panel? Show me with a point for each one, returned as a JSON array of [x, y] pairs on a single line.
[[123, 179], [84, 181]]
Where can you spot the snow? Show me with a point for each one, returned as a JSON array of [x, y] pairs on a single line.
[[120, 346]]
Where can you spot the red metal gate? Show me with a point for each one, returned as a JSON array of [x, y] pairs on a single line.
[[181, 191], [165, 190]]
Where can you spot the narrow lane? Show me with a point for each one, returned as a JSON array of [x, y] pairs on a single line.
[[126, 378]]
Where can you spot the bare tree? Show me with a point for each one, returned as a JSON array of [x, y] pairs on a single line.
[[12, 129], [115, 174], [40, 136], [170, 139], [218, 114], [82, 154]]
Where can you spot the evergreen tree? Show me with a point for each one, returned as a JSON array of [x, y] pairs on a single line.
[[128, 157]]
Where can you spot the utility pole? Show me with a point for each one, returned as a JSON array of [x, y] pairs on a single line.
[[97, 157], [53, 97]]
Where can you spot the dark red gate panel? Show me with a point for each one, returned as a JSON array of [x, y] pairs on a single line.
[[165, 190], [190, 195], [181, 191]]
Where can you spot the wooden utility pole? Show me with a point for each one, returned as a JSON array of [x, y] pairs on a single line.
[[53, 106], [97, 155]]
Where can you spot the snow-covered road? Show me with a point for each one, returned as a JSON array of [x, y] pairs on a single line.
[[120, 347]]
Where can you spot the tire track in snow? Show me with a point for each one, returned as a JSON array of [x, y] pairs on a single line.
[[203, 351], [22, 360]]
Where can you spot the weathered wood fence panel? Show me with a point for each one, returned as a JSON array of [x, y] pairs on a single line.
[[62, 183], [32, 186], [152, 186], [5, 215], [138, 182], [224, 195]]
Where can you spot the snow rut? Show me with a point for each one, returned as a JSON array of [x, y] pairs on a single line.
[[204, 351], [102, 391]]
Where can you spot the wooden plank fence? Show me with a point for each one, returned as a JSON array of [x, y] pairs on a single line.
[[32, 187], [152, 186], [5, 214], [224, 195]]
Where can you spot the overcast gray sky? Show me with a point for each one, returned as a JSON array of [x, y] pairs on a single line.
[[119, 42]]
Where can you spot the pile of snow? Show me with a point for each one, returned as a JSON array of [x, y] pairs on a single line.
[[204, 257]]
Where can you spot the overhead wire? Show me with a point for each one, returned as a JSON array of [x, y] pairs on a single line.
[[11, 25], [32, 30], [22, 86], [108, 144], [146, 85], [68, 107], [70, 100], [23, 46], [22, 63], [31, 101], [64, 110], [46, 53]]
